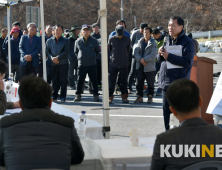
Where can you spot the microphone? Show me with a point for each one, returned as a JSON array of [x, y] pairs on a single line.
[[166, 39]]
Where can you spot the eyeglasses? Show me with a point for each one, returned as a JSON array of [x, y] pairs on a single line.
[[32, 26]]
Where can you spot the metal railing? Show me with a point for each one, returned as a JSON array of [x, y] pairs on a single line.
[[208, 34]]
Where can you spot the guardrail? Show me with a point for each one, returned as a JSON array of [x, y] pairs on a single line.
[[208, 34]]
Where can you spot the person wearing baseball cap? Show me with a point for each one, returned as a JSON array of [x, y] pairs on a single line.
[[87, 50], [123, 23], [14, 25], [119, 48], [73, 63], [15, 53]]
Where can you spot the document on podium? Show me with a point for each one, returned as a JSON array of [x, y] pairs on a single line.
[[176, 50], [215, 106]]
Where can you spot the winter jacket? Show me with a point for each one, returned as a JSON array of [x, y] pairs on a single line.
[[149, 54], [30, 49], [59, 49], [72, 55], [15, 53], [98, 37], [86, 51], [39, 139], [167, 76], [135, 37], [119, 51]]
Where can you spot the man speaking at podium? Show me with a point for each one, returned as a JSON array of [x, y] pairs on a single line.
[[184, 63]]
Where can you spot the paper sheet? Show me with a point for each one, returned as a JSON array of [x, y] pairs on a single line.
[[176, 50], [215, 106]]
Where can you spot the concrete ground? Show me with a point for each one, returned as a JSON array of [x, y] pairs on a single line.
[[148, 118]]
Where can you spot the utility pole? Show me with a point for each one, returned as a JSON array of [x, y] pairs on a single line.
[[121, 9]]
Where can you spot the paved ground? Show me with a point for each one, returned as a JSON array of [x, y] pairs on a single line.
[[146, 117]]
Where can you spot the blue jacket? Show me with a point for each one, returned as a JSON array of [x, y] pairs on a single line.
[[15, 54], [33, 49], [114, 33], [167, 76]]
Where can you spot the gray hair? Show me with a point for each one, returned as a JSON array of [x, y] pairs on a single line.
[[32, 23]]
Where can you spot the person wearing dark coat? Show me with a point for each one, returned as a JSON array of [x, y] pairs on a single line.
[[37, 137], [15, 53], [14, 25], [193, 132], [48, 35], [87, 50], [2, 39], [29, 47], [119, 47], [57, 49], [96, 35], [167, 76], [73, 63]]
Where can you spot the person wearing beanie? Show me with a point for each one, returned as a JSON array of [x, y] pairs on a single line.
[[119, 48], [135, 37], [15, 53]]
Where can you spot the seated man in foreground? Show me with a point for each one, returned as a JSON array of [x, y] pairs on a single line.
[[37, 137], [194, 140]]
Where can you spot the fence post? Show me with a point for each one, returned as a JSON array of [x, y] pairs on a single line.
[[209, 34]]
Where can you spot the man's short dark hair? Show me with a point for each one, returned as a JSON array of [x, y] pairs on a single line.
[[183, 95], [148, 28], [58, 25], [34, 92], [180, 20], [155, 31], [3, 67], [119, 21]]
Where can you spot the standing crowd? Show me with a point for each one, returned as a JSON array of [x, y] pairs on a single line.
[[72, 54]]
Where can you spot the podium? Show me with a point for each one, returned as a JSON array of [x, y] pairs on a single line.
[[202, 75]]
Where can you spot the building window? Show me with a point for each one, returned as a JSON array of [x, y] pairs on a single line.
[[32, 15]]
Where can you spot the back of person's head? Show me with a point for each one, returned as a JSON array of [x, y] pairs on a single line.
[[155, 31], [183, 96], [34, 92], [3, 67], [190, 35]]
